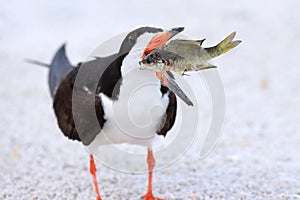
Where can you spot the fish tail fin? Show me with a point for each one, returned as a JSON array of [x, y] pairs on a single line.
[[224, 46]]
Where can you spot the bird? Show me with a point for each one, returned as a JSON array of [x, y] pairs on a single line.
[[88, 96]]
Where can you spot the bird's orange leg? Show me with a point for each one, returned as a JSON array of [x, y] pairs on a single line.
[[93, 173], [151, 164]]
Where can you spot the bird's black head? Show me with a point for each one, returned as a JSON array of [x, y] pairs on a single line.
[[132, 37]]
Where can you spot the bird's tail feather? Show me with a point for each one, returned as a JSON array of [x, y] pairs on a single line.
[[36, 62], [59, 68]]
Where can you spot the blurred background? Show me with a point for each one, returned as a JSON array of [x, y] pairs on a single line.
[[258, 154]]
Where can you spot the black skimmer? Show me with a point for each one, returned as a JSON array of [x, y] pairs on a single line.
[[105, 83]]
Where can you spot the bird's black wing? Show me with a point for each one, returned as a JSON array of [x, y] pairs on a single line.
[[170, 114], [77, 104]]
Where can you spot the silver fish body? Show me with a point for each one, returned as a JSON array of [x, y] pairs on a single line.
[[186, 55]]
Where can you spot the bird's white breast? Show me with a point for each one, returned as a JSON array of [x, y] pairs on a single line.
[[137, 114]]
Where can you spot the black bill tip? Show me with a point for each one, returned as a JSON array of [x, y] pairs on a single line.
[[172, 85], [177, 29]]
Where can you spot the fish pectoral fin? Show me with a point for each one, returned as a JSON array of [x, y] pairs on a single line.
[[184, 73]]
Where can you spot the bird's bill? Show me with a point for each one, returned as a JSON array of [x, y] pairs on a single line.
[[161, 39], [166, 77], [168, 80]]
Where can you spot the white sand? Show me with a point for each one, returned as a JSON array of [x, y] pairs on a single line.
[[258, 155]]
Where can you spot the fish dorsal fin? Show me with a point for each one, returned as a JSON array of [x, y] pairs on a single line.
[[200, 41], [181, 41]]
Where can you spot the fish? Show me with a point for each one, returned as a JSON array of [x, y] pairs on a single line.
[[186, 55]]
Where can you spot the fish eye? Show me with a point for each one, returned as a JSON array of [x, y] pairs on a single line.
[[148, 61]]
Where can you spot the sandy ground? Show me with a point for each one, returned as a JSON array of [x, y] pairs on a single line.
[[257, 156]]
